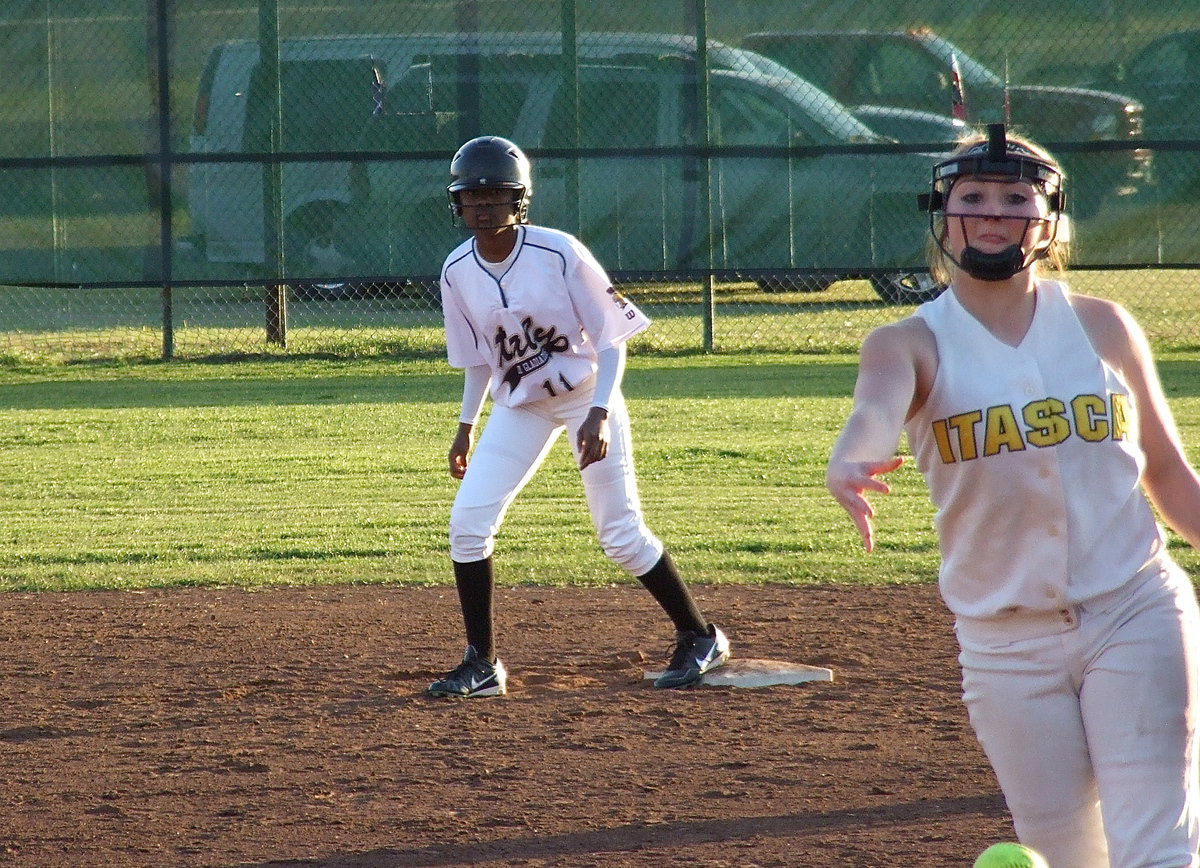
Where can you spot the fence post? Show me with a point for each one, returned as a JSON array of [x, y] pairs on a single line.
[[276, 292], [159, 170], [467, 90], [698, 10], [570, 55], [275, 302]]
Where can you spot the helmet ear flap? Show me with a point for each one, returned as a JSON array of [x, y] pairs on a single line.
[[456, 208]]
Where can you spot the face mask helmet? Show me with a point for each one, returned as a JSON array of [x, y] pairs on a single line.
[[1001, 161], [491, 162]]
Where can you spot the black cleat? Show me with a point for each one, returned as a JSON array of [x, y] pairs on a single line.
[[473, 677], [695, 654]]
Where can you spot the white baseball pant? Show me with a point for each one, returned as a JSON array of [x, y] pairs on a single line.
[[1088, 717], [513, 445]]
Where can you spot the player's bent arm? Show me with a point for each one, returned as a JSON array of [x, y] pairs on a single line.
[[1174, 488], [610, 370], [592, 437], [476, 380], [475, 385], [1170, 481]]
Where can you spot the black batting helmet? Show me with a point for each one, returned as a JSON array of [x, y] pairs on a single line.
[[488, 162]]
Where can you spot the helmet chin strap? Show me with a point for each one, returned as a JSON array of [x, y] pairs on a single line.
[[995, 267], [992, 266]]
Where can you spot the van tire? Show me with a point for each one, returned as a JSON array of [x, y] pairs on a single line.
[[315, 244]]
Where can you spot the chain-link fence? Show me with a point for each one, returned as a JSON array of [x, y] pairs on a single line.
[[247, 177]]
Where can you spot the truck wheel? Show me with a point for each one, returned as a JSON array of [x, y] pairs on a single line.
[[910, 287]]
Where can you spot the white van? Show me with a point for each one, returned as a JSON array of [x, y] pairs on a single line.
[[387, 112]]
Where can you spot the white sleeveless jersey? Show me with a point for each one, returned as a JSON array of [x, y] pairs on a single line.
[[1032, 458], [540, 324]]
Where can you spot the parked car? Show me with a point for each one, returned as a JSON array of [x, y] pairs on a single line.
[[913, 69], [382, 114], [1164, 76]]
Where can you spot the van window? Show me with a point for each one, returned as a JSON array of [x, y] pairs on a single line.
[[204, 92], [616, 110], [902, 75], [322, 102], [1168, 62], [413, 92], [494, 88]]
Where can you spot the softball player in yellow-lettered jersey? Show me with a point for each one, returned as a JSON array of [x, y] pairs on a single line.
[[1040, 426]]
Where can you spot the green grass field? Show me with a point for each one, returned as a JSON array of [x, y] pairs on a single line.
[[47, 326], [292, 471]]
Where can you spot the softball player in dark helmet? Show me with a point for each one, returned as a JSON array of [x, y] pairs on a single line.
[[533, 319], [1039, 423]]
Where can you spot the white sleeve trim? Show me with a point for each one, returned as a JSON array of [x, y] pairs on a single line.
[[610, 369], [476, 380]]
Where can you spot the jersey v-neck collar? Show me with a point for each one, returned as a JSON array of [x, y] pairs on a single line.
[[497, 270], [987, 334]]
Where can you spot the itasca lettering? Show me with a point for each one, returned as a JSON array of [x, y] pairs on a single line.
[[1048, 422]]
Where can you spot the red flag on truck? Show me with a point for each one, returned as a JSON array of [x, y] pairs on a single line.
[[958, 104]]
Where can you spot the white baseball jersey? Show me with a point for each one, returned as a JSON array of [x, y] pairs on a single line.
[[1032, 458], [539, 324]]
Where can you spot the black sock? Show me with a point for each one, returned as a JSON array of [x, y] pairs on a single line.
[[475, 582], [665, 585]]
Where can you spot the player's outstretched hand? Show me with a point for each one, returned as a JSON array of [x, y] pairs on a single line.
[[592, 437], [848, 481]]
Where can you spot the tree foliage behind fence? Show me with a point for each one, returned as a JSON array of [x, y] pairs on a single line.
[[243, 177]]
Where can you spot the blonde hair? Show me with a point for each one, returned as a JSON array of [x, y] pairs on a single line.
[[1056, 257]]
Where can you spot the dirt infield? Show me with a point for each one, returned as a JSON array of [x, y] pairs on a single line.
[[289, 727]]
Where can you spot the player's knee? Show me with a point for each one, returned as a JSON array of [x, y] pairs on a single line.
[[470, 540], [465, 549], [631, 547]]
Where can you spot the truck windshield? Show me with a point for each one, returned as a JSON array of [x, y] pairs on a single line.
[[973, 72]]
